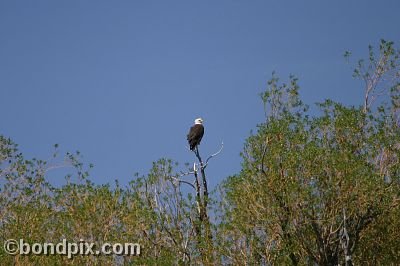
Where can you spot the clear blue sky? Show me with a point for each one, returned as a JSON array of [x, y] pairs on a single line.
[[122, 81]]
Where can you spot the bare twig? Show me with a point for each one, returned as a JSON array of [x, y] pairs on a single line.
[[213, 155], [183, 181]]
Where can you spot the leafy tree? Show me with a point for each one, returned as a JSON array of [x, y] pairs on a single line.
[[170, 223], [320, 189]]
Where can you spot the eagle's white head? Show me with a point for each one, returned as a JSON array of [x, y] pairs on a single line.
[[198, 121]]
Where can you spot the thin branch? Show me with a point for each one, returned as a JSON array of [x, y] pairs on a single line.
[[183, 181], [57, 166], [213, 155], [263, 155]]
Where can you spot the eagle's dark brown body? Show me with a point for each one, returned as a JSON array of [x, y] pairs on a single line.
[[195, 135]]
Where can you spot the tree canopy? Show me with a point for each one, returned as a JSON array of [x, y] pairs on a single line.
[[315, 188]]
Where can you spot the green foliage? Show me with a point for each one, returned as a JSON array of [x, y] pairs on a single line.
[[153, 211], [313, 189]]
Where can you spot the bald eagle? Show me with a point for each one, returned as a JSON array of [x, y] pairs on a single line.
[[195, 134]]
